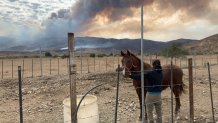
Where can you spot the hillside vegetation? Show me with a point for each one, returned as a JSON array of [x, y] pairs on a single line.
[[204, 46]]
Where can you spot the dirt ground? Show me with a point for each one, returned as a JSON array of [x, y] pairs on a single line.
[[43, 98]]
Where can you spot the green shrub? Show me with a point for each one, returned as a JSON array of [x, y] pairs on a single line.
[[174, 51], [101, 55], [92, 55], [48, 54], [64, 56]]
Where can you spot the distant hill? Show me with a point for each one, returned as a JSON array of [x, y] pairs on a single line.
[[94, 44], [204, 46], [6, 42]]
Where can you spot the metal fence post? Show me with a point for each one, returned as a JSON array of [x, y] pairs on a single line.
[[211, 93], [20, 94], [117, 92]]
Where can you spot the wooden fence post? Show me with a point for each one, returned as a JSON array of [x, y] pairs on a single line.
[[2, 69], [50, 65], [58, 66], [99, 64], [94, 64], [88, 64], [12, 67], [32, 68], [150, 58], [217, 59], [23, 69], [81, 61], [191, 96], [72, 77], [106, 63], [210, 59], [202, 60], [171, 85], [41, 62]]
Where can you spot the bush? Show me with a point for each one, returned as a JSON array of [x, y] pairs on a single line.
[[48, 54], [174, 51], [101, 55], [214, 53], [64, 56], [92, 55]]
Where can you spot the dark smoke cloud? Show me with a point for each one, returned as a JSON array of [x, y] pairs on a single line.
[[79, 18], [196, 8], [86, 10]]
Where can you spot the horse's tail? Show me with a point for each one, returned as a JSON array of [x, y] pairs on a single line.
[[182, 86]]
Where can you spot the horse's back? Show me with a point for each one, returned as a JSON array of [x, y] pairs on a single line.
[[177, 75]]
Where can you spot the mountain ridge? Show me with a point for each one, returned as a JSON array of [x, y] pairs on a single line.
[[207, 44]]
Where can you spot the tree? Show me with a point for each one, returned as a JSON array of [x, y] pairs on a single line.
[[174, 51], [48, 54], [92, 55]]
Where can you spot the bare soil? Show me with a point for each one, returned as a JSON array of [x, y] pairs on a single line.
[[43, 97]]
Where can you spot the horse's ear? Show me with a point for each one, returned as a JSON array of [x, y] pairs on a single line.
[[122, 53], [128, 53]]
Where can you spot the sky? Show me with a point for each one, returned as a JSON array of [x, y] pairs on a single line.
[[164, 20]]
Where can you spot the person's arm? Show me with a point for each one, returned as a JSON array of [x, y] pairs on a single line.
[[135, 76]]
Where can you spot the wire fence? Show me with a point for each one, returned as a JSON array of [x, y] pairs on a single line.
[[33, 67]]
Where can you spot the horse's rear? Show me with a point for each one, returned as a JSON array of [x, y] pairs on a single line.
[[178, 85]]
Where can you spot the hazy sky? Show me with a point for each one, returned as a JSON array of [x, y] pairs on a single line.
[[163, 19]]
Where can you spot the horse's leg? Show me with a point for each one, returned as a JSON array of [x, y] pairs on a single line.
[[145, 106], [177, 98], [138, 91]]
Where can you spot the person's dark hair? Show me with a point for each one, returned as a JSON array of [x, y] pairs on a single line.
[[156, 64]]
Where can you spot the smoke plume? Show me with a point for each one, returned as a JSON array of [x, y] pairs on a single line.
[[81, 16]]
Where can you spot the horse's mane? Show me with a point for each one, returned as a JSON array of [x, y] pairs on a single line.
[[146, 65], [135, 56]]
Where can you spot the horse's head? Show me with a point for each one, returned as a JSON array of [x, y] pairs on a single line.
[[128, 63]]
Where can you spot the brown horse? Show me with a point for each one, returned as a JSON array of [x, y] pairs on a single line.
[[131, 64]]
